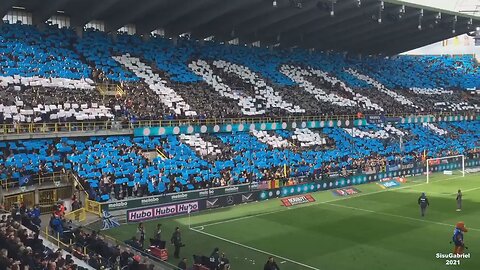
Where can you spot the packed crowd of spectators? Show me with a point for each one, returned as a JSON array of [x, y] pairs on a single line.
[[91, 247], [141, 103], [434, 83], [21, 246]]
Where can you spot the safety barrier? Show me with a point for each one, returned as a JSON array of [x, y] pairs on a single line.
[[55, 177], [21, 128], [93, 207], [77, 215], [54, 238]]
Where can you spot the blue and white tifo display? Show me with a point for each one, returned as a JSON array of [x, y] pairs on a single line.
[[178, 80]]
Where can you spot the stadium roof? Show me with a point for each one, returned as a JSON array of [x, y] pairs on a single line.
[[361, 26]]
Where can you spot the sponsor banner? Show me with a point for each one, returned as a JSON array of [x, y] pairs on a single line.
[[386, 179], [375, 119], [229, 128], [291, 201], [472, 170], [227, 200], [389, 184], [408, 166], [393, 119], [345, 191], [269, 194], [248, 197], [174, 197], [448, 172], [162, 211], [398, 179], [393, 168], [335, 181], [260, 185], [334, 175], [175, 128]]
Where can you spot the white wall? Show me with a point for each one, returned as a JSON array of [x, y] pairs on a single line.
[[453, 5], [462, 44]]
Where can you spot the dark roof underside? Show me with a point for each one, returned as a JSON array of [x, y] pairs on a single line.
[[353, 27]]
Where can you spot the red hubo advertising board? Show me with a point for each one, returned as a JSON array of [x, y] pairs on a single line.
[[290, 201]]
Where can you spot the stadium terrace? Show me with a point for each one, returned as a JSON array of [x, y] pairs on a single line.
[[209, 134]]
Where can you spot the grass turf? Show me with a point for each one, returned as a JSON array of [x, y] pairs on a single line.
[[376, 229]]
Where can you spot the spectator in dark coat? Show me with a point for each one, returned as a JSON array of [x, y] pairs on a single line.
[[271, 264]]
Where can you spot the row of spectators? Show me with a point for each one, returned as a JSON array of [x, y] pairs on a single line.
[[22, 248], [91, 247]]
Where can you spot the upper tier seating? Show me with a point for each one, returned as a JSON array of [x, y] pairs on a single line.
[[28, 52], [118, 166], [185, 79]]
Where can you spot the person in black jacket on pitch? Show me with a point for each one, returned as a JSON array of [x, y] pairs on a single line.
[[176, 240], [271, 264], [183, 264], [423, 202]]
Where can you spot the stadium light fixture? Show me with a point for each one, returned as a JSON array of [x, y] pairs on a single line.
[[382, 7], [420, 18], [401, 12], [274, 3], [359, 3], [454, 24], [470, 24], [438, 18], [332, 8]]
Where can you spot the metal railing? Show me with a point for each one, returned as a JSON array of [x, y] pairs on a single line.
[[78, 215], [22, 128], [37, 179], [93, 207], [55, 239], [90, 206]]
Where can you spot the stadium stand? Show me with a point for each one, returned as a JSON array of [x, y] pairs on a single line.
[[46, 77], [116, 167], [22, 245]]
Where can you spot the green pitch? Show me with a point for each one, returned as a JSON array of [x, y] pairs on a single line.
[[376, 229]]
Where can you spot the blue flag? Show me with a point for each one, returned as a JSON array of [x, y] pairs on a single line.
[[24, 180]]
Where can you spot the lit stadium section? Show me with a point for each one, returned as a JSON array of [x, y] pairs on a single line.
[[249, 134]]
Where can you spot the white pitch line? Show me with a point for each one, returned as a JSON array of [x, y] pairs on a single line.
[[318, 203], [467, 190], [397, 216], [256, 249], [450, 194]]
